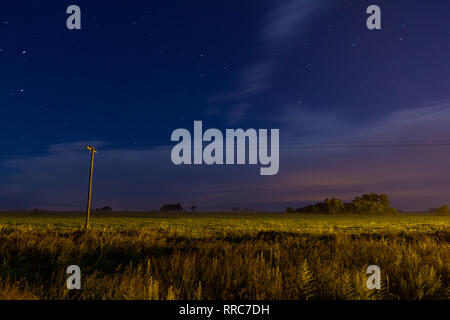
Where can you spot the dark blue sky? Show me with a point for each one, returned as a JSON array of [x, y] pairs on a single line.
[[137, 70]]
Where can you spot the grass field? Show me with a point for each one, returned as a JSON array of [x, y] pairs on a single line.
[[224, 256]]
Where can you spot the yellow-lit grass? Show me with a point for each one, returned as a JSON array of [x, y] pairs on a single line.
[[263, 261]]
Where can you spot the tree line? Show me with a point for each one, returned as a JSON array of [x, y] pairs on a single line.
[[371, 203]]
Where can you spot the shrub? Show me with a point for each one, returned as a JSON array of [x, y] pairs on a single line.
[[366, 204], [172, 207], [442, 211]]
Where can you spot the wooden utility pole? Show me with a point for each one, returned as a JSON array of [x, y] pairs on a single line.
[[88, 211]]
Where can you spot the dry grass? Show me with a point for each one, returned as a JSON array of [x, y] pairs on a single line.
[[214, 256]]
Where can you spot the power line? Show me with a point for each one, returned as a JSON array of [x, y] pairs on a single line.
[[284, 145], [361, 145]]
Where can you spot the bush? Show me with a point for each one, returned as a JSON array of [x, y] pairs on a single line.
[[104, 209], [442, 211], [172, 207], [366, 204]]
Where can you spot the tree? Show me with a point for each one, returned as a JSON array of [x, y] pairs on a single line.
[[104, 209], [334, 206], [371, 203], [172, 207], [367, 203], [442, 211], [289, 210]]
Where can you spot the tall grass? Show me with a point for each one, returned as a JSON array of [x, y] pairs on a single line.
[[151, 261]]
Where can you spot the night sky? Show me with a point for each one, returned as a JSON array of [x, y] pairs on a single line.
[[358, 110]]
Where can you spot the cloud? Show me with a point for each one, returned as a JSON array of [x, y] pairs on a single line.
[[237, 113], [289, 18], [250, 82], [74, 146], [327, 162], [124, 179], [284, 20], [429, 121], [300, 123], [403, 154]]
